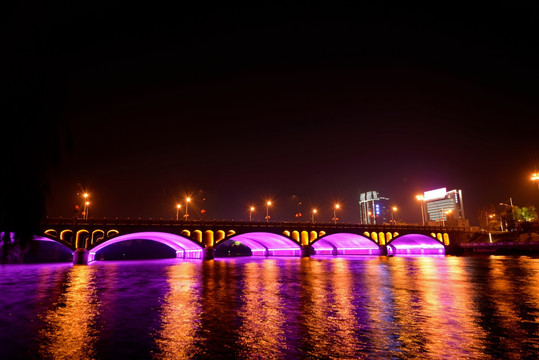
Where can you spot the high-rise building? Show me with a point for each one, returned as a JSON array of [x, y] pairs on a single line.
[[441, 204], [373, 208]]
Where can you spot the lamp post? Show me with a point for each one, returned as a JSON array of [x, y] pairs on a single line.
[[187, 201], [535, 177], [312, 216], [87, 206], [268, 204], [86, 203], [488, 227], [178, 207], [251, 209], [421, 200], [337, 206], [444, 214], [490, 217], [393, 209]]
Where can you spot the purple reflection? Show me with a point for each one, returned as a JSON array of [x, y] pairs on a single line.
[[267, 244], [11, 236], [345, 244], [415, 244], [185, 248]]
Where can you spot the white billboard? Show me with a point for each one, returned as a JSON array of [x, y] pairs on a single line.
[[435, 194]]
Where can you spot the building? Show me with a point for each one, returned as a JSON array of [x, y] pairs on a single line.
[[373, 208], [442, 205]]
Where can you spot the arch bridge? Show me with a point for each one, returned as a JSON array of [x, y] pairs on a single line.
[[198, 239]]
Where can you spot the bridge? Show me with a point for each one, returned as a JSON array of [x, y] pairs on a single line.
[[198, 239]]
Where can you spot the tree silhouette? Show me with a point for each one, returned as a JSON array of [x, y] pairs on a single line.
[[33, 137]]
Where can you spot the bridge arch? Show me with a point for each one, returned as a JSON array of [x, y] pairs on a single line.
[[81, 238], [97, 236], [345, 244], [63, 244], [51, 232], [184, 247], [66, 234], [268, 244], [415, 244]]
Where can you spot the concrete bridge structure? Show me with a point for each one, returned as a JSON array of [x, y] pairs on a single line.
[[198, 239]]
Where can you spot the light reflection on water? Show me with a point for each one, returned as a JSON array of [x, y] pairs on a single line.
[[261, 333], [273, 308], [180, 313], [69, 332]]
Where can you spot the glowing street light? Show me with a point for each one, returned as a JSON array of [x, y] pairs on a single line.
[[178, 207], [187, 201], [535, 177], [87, 206], [268, 204], [251, 209], [86, 203], [393, 209], [312, 216], [337, 206], [444, 215], [421, 198]]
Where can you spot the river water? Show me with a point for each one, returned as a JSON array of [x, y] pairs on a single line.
[[273, 308]]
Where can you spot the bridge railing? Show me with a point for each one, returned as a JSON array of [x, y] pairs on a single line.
[[93, 222]]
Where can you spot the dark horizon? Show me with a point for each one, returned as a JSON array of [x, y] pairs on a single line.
[[235, 105]]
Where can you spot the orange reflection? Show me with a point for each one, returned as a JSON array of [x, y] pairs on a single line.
[[433, 305], [379, 308], [70, 332], [446, 298], [262, 330], [181, 313], [329, 312], [503, 298]]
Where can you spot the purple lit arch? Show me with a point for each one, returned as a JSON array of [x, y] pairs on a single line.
[[268, 244], [415, 244], [45, 239], [184, 247], [345, 244]]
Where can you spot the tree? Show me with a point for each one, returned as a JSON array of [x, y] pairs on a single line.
[[528, 214]]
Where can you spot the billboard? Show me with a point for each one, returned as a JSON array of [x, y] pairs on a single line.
[[435, 194]]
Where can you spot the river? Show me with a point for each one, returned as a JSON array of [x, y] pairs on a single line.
[[273, 308]]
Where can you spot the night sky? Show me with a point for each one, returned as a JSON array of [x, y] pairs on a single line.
[[236, 104]]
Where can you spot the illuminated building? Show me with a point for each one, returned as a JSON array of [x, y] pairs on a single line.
[[442, 205], [373, 208]]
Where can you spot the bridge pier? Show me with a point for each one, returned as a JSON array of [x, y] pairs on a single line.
[[80, 257], [383, 250], [305, 250], [207, 253]]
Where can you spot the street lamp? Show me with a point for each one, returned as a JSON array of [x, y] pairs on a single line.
[[268, 204], [535, 177], [251, 209], [312, 216], [86, 203], [421, 198], [337, 206], [490, 217], [178, 207], [393, 209], [444, 215], [87, 207], [187, 201]]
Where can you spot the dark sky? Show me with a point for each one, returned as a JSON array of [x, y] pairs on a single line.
[[143, 104]]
